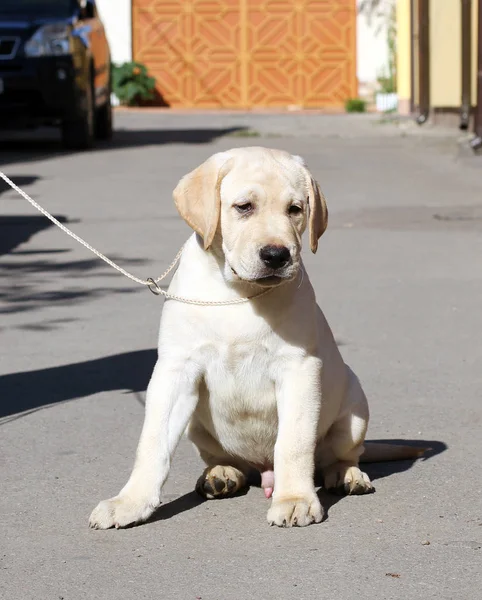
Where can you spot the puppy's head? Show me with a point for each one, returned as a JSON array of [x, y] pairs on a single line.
[[255, 204]]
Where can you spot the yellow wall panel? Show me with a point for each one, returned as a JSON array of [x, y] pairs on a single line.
[[445, 53], [403, 53]]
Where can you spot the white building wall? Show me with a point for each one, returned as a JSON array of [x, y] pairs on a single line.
[[117, 19], [372, 48]]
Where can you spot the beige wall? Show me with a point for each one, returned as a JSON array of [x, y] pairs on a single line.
[[474, 51], [446, 53], [403, 56]]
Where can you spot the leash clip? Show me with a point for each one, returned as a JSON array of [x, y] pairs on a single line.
[[153, 286]]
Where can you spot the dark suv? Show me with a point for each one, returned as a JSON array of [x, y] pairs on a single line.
[[55, 69]]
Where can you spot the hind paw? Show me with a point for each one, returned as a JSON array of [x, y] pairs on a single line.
[[344, 478], [220, 482]]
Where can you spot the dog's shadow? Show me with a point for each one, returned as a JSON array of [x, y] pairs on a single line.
[[379, 470], [176, 507], [186, 502], [328, 499]]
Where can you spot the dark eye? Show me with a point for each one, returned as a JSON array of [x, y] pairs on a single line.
[[245, 208], [294, 209]]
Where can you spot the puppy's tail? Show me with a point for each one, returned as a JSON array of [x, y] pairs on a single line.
[[381, 452]]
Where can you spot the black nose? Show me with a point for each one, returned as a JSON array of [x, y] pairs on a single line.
[[275, 257]]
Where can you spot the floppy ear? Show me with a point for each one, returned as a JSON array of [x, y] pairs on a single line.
[[197, 196], [318, 219]]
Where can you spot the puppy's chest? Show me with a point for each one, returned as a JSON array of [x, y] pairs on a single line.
[[238, 402], [241, 372]]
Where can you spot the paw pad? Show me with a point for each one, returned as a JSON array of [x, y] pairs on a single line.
[[219, 482]]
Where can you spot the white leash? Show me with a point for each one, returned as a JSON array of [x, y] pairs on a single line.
[[151, 283]]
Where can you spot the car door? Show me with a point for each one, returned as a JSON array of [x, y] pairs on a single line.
[[100, 50]]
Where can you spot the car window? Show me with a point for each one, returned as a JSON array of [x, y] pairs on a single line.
[[37, 8]]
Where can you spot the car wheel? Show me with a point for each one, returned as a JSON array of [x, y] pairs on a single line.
[[103, 121], [78, 134]]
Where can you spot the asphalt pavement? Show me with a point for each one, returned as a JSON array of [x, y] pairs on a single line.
[[399, 277]]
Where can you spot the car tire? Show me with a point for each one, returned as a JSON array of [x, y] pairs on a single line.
[[103, 121], [78, 134]]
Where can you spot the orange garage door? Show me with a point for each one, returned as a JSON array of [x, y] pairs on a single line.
[[248, 53]]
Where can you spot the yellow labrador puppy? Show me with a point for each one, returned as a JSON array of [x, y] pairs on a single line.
[[260, 384]]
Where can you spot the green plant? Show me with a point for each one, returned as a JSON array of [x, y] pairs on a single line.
[[386, 83], [131, 83], [391, 84], [248, 133], [353, 105]]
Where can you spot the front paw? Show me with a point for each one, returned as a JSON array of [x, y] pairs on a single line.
[[299, 511], [120, 511]]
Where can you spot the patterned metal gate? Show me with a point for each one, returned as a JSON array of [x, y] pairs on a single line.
[[248, 53]]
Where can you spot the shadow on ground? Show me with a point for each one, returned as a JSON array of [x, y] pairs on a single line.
[[23, 280], [29, 391], [16, 230], [21, 147], [380, 470], [21, 181], [175, 507]]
